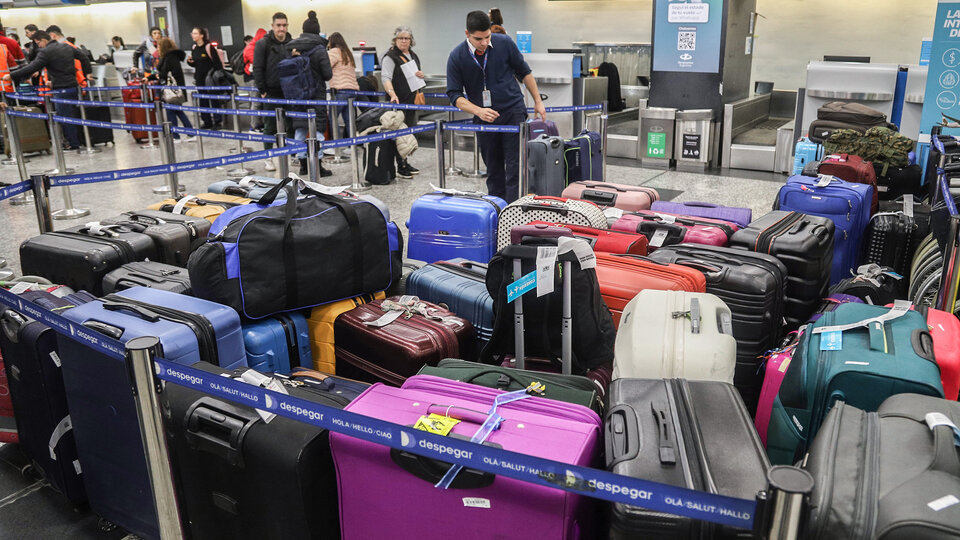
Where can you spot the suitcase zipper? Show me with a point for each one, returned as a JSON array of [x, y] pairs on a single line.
[[823, 358], [290, 333], [684, 220], [200, 325], [766, 237], [826, 479], [127, 253], [867, 499]]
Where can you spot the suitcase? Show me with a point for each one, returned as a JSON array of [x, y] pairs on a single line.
[[623, 277], [699, 437], [601, 240], [396, 350], [174, 241], [898, 181], [889, 474], [775, 364], [545, 166], [460, 286], [752, 286], [137, 116], [583, 157], [666, 334], [662, 229], [277, 344], [536, 128], [608, 194], [148, 274], [36, 390], [945, 333], [550, 209], [805, 152], [871, 285], [198, 226], [847, 204], [446, 226], [320, 326], [34, 136], [741, 217], [852, 168], [79, 258], [804, 244], [206, 205], [407, 267], [862, 368], [890, 240], [8, 419], [551, 429], [99, 135], [230, 465], [98, 390], [379, 160]]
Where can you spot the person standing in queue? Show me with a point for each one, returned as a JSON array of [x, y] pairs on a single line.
[[482, 75], [204, 58], [395, 83], [267, 53]]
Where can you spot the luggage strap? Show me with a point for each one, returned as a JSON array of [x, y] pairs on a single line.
[[873, 324], [62, 428]]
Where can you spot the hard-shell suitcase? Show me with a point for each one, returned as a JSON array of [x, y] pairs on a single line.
[[174, 241], [699, 436], [681, 334], [775, 364], [460, 286], [551, 429], [137, 116], [607, 194], [752, 286], [806, 152], [396, 350], [79, 257], [197, 226], [881, 352], [545, 166], [278, 344], [320, 324], [804, 244], [604, 240], [33, 133], [622, 277], [147, 274], [663, 229], [890, 240], [538, 229], [99, 135], [583, 157], [206, 205], [852, 168], [847, 204], [945, 332], [550, 209], [445, 226], [230, 466], [741, 217], [892, 474], [536, 128]]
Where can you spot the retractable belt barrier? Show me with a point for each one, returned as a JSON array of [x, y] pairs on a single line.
[[215, 97], [27, 114], [252, 137], [13, 190], [214, 110], [571, 108], [106, 125], [404, 106], [585, 481], [299, 102], [483, 128], [115, 104]]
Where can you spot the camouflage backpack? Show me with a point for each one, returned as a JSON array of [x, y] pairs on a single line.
[[844, 141], [881, 145]]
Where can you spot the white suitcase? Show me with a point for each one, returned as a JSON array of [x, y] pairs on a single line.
[[549, 209], [675, 334]]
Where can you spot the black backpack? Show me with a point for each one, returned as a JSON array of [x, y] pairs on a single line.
[[379, 162], [236, 62], [614, 99]]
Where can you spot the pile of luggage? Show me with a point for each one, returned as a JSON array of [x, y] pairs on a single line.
[[684, 343]]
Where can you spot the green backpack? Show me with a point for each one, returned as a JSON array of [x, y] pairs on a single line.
[[880, 145]]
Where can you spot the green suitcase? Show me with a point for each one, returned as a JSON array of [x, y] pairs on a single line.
[[32, 131], [880, 352]]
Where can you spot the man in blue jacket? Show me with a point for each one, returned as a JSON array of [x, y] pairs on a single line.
[[482, 75]]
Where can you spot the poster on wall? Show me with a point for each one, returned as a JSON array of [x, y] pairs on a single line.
[[943, 75], [686, 35]]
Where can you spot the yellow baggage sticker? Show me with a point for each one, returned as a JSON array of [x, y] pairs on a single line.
[[435, 423]]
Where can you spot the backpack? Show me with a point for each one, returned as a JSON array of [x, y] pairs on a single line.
[[236, 62], [614, 100], [296, 76], [880, 145]]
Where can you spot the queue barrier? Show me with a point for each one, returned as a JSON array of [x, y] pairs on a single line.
[[114, 104]]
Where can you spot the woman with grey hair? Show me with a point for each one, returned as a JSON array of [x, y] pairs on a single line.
[[395, 83]]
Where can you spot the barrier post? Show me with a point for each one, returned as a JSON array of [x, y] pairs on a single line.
[[170, 158], [477, 172], [438, 140], [524, 183], [41, 198], [89, 149], [147, 97], [336, 159], [241, 170], [358, 183], [56, 139], [313, 163], [282, 161], [782, 507], [166, 144], [603, 138], [196, 122], [16, 156], [453, 170], [140, 353]]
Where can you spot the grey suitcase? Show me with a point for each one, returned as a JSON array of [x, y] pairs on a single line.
[[546, 167], [148, 274]]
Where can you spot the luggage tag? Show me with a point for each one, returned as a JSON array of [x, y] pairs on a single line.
[[546, 260], [23, 287], [936, 419], [613, 212], [581, 248], [436, 424], [825, 180], [908, 205], [831, 341], [521, 286], [658, 237], [258, 379]]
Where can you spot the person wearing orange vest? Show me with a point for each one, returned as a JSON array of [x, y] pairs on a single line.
[[6, 60]]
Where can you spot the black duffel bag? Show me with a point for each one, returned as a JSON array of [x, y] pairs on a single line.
[[282, 257]]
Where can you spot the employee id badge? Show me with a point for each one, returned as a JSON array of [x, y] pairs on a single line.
[[487, 100]]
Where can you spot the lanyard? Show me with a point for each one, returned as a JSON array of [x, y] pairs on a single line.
[[483, 68]]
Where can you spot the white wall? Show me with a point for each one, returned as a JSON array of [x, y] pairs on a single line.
[[92, 25]]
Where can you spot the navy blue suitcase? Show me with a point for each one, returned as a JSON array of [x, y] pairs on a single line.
[[278, 344], [444, 226], [584, 157], [847, 204], [460, 286], [101, 400]]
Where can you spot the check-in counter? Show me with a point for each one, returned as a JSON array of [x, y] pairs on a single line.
[[758, 132]]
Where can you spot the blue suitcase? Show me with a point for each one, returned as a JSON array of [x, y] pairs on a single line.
[[278, 344], [847, 204], [583, 157], [100, 398], [460, 285], [444, 226], [806, 152]]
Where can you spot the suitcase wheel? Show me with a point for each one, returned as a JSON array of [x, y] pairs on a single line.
[[106, 526]]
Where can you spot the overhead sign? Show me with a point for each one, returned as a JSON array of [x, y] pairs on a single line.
[[686, 35]]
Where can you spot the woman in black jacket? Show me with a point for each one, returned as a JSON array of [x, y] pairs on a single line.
[[395, 83], [204, 58], [310, 42], [169, 66]]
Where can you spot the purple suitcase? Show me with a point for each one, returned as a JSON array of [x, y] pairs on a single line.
[[376, 493], [741, 216], [537, 128]]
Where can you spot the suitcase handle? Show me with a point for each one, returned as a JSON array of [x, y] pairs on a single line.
[[143, 313], [137, 218], [700, 204], [548, 207], [460, 413], [602, 198], [621, 441], [698, 265], [592, 184], [104, 328], [432, 470], [218, 428], [945, 452], [922, 343], [12, 322], [665, 440]]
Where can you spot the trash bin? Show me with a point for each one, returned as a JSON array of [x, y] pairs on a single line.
[[695, 139], [656, 136]]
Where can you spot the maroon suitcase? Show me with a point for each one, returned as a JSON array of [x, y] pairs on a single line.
[[394, 351], [538, 229], [852, 168]]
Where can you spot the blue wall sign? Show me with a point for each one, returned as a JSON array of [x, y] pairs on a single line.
[[686, 35], [943, 77]]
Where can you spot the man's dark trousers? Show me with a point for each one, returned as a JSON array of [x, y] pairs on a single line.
[[501, 154], [70, 132]]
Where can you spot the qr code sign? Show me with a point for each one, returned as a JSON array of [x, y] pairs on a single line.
[[686, 41]]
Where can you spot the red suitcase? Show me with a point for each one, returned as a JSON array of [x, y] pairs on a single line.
[[605, 240], [622, 277], [398, 349], [607, 194], [137, 116], [852, 169]]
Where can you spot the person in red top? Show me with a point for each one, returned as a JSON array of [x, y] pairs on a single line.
[[248, 73], [12, 46]]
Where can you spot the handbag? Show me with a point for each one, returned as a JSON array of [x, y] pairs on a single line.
[[419, 99], [172, 96]]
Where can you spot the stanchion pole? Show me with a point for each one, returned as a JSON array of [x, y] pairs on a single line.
[[438, 140], [68, 211], [313, 163], [140, 353], [784, 503], [603, 139], [477, 172], [166, 145], [240, 171], [358, 184], [453, 170], [15, 157], [147, 97], [336, 158], [89, 149], [170, 158], [196, 121], [524, 183], [41, 198], [284, 160], [16, 154]]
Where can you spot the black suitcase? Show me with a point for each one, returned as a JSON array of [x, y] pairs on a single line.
[[199, 227], [691, 434], [99, 135], [876, 289], [752, 285], [887, 474], [35, 380], [239, 477], [148, 274], [79, 259], [890, 242], [174, 240], [804, 244], [379, 162]]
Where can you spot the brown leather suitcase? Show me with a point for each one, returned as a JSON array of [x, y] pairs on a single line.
[[398, 349]]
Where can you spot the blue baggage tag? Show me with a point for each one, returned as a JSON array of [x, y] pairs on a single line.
[[523, 285], [831, 341]]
